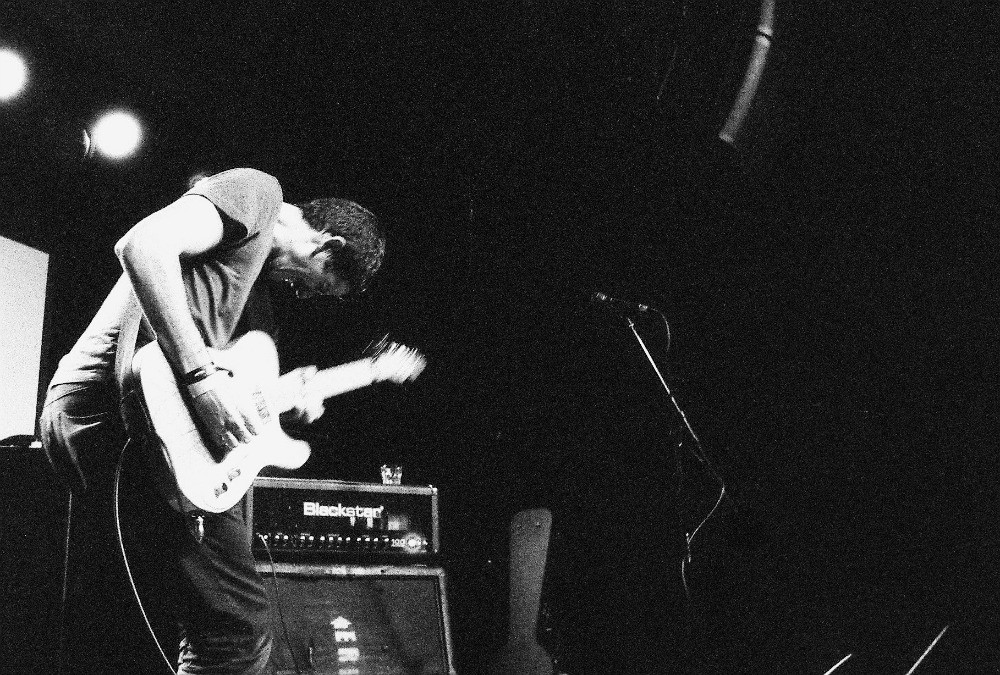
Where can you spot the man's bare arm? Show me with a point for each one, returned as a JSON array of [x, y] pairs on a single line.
[[151, 254]]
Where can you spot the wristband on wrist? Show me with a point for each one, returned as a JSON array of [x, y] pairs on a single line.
[[203, 373], [198, 374], [201, 384]]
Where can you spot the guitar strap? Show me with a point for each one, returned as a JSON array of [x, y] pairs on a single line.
[[131, 410], [127, 335], [135, 417], [138, 425]]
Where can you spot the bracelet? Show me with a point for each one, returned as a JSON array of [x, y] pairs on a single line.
[[200, 386], [198, 374]]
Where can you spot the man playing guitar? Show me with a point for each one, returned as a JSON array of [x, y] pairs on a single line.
[[191, 267]]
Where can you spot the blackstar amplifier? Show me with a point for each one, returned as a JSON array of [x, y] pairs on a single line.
[[302, 520]]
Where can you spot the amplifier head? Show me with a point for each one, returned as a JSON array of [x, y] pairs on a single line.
[[304, 519]]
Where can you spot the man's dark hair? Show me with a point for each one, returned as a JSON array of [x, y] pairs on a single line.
[[361, 257]]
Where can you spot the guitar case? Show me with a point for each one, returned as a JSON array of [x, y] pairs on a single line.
[[529, 541]]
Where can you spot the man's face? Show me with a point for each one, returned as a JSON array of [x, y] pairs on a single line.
[[306, 268], [303, 257], [321, 283]]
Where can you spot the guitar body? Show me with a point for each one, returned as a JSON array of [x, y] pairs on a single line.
[[200, 478]]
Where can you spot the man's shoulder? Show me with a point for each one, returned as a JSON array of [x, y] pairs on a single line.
[[248, 196], [242, 178]]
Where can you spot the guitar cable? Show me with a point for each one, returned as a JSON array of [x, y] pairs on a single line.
[[277, 604], [135, 589], [128, 568]]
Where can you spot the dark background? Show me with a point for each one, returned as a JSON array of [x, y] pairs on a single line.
[[829, 284]]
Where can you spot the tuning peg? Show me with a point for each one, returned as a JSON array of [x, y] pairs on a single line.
[[376, 347]]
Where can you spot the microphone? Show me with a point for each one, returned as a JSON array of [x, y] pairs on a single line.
[[604, 300]]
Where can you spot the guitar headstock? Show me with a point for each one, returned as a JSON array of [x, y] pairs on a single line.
[[394, 362]]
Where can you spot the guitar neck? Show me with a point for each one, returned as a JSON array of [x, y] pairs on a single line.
[[329, 382]]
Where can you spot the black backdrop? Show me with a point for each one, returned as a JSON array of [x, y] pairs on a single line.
[[829, 285]]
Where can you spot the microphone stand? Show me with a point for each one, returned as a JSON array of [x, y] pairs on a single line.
[[698, 452], [663, 383]]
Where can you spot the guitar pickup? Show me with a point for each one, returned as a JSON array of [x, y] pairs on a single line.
[[262, 408]]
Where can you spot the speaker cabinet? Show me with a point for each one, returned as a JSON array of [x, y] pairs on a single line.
[[34, 505], [358, 620]]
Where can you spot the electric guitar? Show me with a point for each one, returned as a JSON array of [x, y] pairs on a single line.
[[202, 477]]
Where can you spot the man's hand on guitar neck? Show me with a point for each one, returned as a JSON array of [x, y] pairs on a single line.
[[227, 414]]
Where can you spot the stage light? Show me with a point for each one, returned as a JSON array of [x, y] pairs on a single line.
[[116, 134], [13, 74]]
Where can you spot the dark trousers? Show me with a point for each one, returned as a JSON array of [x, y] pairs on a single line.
[[198, 585]]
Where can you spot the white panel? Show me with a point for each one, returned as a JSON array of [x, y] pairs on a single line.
[[23, 273]]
